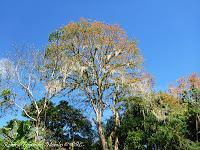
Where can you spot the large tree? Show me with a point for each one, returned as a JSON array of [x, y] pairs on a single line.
[[98, 62]]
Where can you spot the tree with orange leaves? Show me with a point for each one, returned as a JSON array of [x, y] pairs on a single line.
[[100, 63], [185, 84], [188, 90]]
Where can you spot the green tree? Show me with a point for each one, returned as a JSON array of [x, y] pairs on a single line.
[[162, 125], [19, 135], [188, 90], [63, 124]]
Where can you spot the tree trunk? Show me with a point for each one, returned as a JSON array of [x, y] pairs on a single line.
[[36, 132], [116, 142], [110, 141], [37, 127], [102, 136], [117, 124], [197, 128], [100, 128]]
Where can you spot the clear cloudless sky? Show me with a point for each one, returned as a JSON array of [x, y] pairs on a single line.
[[167, 31]]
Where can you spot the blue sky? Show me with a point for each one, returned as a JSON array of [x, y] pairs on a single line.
[[167, 31]]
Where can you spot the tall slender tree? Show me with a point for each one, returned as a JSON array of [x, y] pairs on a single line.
[[25, 80]]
